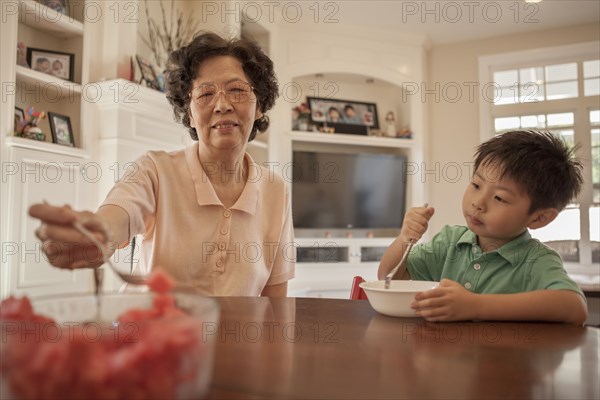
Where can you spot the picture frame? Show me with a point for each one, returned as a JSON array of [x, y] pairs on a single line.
[[59, 6], [19, 119], [345, 116], [60, 127], [55, 63], [147, 72]]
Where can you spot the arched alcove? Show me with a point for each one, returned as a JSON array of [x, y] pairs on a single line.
[[385, 95]]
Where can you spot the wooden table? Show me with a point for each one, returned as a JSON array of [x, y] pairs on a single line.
[[324, 348]]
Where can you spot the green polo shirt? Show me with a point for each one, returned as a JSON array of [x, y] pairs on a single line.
[[521, 265]]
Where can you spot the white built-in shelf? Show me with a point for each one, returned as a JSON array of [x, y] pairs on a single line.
[[47, 147], [354, 140], [53, 86], [40, 17]]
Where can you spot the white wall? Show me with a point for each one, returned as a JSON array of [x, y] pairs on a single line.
[[454, 122]]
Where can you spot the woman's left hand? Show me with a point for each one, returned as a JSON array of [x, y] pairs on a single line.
[[450, 301]]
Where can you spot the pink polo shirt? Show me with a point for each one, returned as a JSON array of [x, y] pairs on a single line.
[[188, 232]]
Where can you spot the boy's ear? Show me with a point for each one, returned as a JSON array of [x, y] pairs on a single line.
[[541, 218]]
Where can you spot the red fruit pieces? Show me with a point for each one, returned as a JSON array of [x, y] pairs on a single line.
[[159, 281], [14, 309], [149, 353]]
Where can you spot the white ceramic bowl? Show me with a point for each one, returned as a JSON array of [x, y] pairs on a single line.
[[396, 300]]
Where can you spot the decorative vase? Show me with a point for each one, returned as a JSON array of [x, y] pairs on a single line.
[[35, 133]]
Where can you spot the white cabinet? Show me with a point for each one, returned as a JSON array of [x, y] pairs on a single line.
[[32, 174]]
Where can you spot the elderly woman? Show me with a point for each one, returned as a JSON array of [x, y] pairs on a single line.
[[212, 218]]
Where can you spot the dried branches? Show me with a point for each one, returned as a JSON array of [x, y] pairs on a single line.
[[162, 39]]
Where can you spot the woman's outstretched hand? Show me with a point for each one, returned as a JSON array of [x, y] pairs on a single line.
[[63, 245]]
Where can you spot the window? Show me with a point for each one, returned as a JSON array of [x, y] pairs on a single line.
[[539, 83], [561, 95]]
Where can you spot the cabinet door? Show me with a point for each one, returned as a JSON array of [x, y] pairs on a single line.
[[33, 176]]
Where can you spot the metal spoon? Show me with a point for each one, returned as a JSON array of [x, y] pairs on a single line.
[[129, 278], [389, 276]]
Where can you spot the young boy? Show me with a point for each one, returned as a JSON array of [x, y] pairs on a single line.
[[492, 269]]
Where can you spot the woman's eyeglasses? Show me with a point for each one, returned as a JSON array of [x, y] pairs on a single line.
[[235, 92]]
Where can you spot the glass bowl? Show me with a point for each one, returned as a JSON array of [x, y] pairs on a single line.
[[140, 345]]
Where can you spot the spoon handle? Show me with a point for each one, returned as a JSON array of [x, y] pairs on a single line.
[[393, 272]]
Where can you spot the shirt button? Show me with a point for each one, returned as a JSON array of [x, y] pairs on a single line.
[[219, 263], [468, 285], [224, 231], [227, 213], [475, 250], [477, 267], [222, 246]]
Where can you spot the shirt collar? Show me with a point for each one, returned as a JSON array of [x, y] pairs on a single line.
[[511, 251], [205, 193], [514, 251]]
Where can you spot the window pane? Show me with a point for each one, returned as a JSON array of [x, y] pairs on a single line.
[[595, 117], [591, 87], [505, 95], [562, 119], [596, 165], [564, 227], [568, 135], [595, 224], [531, 92], [506, 78], [534, 75], [563, 90], [533, 121], [591, 69], [502, 124], [561, 72]]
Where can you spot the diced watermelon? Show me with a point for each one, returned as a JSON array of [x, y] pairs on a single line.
[[163, 301], [159, 281], [14, 309], [149, 354]]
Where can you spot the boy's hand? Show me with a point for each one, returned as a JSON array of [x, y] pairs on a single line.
[[448, 302], [416, 221]]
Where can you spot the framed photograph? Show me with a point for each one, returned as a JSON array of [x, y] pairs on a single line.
[[60, 126], [148, 74], [59, 6], [55, 63], [19, 120], [346, 116]]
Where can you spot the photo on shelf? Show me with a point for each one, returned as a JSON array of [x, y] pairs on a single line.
[[19, 121], [57, 5], [60, 127], [55, 63], [147, 72], [345, 116]]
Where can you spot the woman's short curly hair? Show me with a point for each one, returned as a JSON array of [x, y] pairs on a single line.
[[182, 70]]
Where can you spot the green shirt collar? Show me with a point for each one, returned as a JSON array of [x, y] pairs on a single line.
[[511, 251]]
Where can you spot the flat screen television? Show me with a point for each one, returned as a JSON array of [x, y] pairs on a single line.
[[348, 191]]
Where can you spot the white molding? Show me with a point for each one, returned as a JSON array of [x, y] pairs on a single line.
[[46, 147], [351, 140]]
